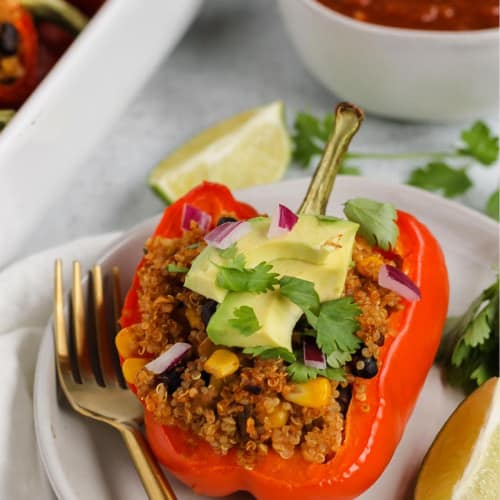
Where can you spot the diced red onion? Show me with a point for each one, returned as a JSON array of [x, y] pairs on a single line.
[[282, 221], [169, 358], [190, 213], [313, 357], [392, 278], [226, 234]]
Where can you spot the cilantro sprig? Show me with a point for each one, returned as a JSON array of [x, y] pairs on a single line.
[[266, 352], [469, 349], [300, 373], [476, 144], [245, 320]]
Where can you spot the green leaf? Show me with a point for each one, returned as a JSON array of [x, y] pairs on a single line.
[[327, 218], [303, 294], [173, 268], [492, 205], [349, 170], [480, 143], [337, 325], [233, 259], [244, 320], [469, 348], [300, 373], [258, 280], [376, 221], [309, 136], [437, 176], [337, 359], [266, 352]]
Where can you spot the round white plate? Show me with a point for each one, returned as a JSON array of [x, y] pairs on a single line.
[[85, 459]]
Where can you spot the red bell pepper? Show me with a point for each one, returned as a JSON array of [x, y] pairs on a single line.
[[13, 93], [373, 428]]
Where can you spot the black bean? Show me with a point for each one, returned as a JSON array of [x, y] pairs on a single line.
[[380, 341], [9, 40], [207, 310], [171, 378], [369, 369], [253, 389], [205, 377], [223, 220], [345, 394]]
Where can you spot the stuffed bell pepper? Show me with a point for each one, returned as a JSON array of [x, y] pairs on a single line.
[[282, 354]]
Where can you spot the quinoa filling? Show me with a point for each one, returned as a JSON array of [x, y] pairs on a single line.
[[250, 410]]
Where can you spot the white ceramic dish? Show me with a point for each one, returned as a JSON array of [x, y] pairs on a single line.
[[400, 73], [84, 459], [71, 110]]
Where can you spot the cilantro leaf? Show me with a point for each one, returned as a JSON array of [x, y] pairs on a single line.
[[309, 136], [469, 349], [300, 373], [258, 280], [480, 143], [337, 359], [349, 170], [174, 268], [337, 325], [303, 294], [234, 260], [266, 352], [376, 221], [437, 176], [492, 205], [244, 320]]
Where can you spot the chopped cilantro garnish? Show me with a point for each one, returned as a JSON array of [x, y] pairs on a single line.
[[303, 294], [245, 320], [469, 349], [376, 221], [258, 279], [300, 373], [337, 325], [174, 268], [438, 176], [233, 259], [266, 352], [337, 359], [480, 143]]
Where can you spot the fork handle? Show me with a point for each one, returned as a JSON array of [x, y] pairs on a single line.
[[152, 477]]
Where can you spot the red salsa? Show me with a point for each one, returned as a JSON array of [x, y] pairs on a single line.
[[449, 15]]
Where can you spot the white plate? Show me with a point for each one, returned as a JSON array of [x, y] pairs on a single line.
[[84, 459], [74, 106]]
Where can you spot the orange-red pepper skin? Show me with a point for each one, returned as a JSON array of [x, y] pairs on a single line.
[[12, 95], [373, 427]]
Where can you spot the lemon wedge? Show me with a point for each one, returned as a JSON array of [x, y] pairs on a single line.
[[245, 150], [463, 463]]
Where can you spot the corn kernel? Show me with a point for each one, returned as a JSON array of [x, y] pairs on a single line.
[[314, 393], [131, 367], [278, 418], [221, 363], [125, 343]]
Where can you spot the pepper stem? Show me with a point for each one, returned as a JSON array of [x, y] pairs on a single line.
[[58, 12], [348, 118], [5, 116]]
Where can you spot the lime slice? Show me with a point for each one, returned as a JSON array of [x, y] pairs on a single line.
[[250, 148], [463, 463]]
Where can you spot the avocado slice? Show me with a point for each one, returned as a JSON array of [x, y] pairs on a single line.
[[322, 244], [277, 317]]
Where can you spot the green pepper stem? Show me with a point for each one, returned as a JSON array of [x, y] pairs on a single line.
[[5, 116], [348, 118], [58, 12]]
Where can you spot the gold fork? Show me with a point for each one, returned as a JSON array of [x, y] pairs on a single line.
[[89, 374]]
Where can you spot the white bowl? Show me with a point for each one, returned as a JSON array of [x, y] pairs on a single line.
[[408, 74]]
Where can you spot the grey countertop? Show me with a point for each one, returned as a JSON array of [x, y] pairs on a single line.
[[236, 55]]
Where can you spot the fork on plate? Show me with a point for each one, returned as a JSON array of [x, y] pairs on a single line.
[[89, 372]]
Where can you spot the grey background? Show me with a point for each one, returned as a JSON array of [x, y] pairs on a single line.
[[236, 55]]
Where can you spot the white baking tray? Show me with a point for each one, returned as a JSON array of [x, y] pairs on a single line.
[[44, 147]]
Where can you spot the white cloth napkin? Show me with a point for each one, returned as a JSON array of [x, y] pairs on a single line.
[[25, 308]]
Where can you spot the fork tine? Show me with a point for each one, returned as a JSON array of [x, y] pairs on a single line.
[[117, 307], [62, 356], [103, 338], [78, 327]]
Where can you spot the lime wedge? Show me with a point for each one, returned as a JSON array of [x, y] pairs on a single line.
[[463, 463], [250, 148]]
